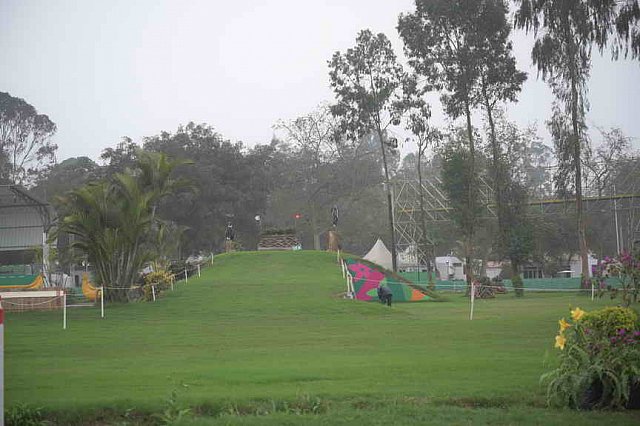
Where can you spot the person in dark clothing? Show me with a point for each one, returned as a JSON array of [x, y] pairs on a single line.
[[385, 295]]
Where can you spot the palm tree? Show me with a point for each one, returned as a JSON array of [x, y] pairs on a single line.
[[154, 175], [112, 221]]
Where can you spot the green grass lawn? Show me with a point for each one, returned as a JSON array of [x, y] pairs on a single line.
[[264, 332]]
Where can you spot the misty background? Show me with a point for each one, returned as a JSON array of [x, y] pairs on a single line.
[[104, 70]]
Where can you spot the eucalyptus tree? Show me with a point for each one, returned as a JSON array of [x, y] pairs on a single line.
[[371, 90], [425, 136], [627, 28], [448, 42], [601, 161], [439, 39], [26, 149], [459, 183], [565, 32], [500, 82]]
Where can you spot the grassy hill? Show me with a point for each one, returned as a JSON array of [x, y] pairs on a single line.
[[265, 332]]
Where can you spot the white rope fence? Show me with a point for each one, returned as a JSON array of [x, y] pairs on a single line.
[[463, 286], [68, 301], [79, 300], [346, 275], [460, 287]]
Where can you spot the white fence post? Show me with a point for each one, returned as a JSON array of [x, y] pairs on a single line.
[[473, 299], [198, 270], [64, 310], [102, 302], [153, 292], [211, 258], [351, 285], [347, 282], [186, 276], [593, 291], [1, 364]]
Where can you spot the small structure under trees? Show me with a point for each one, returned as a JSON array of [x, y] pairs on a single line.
[[25, 223]]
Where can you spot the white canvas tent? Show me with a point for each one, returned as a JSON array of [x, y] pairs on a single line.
[[380, 254]]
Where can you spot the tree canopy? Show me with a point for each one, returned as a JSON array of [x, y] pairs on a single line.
[[26, 149]]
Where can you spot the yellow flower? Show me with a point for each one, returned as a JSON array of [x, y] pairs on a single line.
[[560, 341], [577, 313], [563, 325]]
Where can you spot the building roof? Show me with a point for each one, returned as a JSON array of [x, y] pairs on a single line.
[[450, 259], [23, 219]]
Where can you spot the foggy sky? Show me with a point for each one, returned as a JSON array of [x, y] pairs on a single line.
[[106, 69]]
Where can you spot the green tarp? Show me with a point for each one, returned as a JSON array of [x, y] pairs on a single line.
[[16, 279]]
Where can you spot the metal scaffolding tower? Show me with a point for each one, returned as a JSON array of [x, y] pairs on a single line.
[[622, 197]]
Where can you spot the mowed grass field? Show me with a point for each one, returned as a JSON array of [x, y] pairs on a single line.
[[261, 333]]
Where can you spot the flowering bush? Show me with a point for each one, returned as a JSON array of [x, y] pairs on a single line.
[[599, 360], [160, 279], [626, 268]]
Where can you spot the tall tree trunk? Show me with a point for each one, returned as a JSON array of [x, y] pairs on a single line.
[[423, 221], [314, 229], [389, 201], [471, 205], [498, 175], [515, 267], [582, 233]]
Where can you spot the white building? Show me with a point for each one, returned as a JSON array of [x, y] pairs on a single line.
[[450, 268], [575, 266], [24, 224], [493, 269]]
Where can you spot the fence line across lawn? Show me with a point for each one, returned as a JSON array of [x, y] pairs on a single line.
[[72, 297], [557, 285]]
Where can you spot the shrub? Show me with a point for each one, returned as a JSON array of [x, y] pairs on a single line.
[[599, 360], [160, 279], [626, 268], [609, 321], [173, 412], [518, 285], [24, 415], [177, 267]]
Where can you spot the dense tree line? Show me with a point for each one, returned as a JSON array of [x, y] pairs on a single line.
[[346, 153]]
